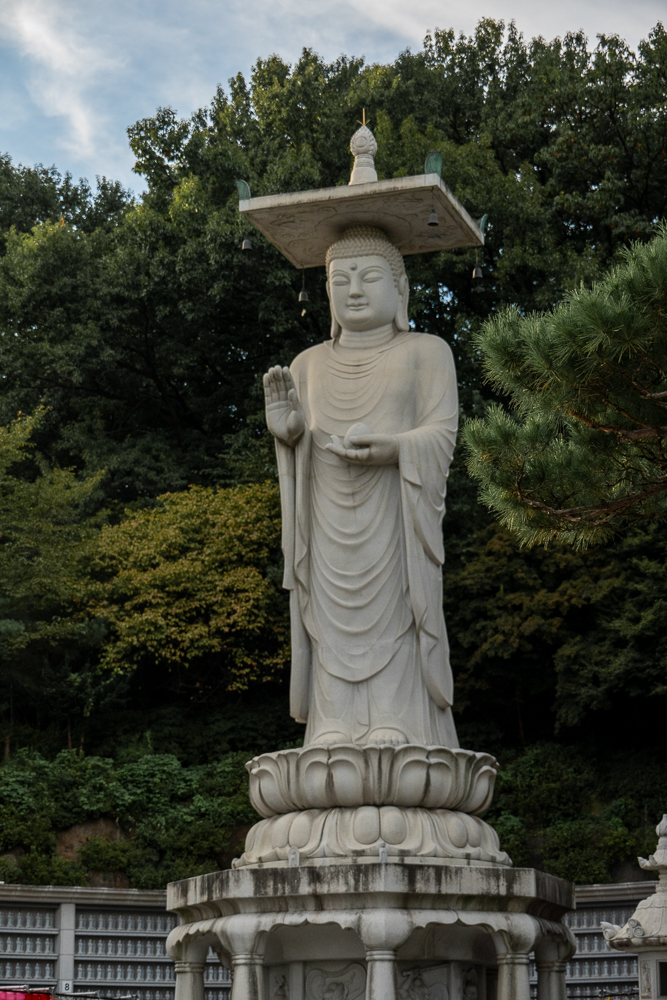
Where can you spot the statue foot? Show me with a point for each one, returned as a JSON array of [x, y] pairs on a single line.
[[328, 739], [386, 735]]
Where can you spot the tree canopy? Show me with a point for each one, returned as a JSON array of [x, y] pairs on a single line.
[[145, 336], [584, 451]]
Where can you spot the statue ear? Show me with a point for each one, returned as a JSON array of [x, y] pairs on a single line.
[[401, 321], [335, 325]]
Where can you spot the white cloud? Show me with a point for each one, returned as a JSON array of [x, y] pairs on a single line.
[[63, 66], [630, 21]]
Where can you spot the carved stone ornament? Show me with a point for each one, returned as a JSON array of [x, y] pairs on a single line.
[[346, 983], [282, 990], [370, 831], [363, 147], [424, 984], [348, 776], [647, 927], [645, 979]]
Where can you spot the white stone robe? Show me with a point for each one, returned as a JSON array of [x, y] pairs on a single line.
[[363, 545]]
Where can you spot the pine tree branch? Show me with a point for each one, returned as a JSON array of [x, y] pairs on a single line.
[[594, 514]]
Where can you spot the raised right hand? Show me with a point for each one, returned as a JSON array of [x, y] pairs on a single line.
[[284, 413]]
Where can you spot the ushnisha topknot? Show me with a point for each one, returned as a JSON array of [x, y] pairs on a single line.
[[367, 241]]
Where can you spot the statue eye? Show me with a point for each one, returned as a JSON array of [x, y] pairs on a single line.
[[340, 279], [374, 275]]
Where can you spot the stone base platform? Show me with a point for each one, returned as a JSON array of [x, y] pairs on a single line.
[[374, 931]]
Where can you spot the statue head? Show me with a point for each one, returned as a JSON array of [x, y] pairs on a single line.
[[366, 282]]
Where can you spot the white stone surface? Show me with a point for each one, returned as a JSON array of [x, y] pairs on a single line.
[[347, 775], [303, 225], [388, 931], [369, 830], [645, 932], [363, 147], [362, 526]]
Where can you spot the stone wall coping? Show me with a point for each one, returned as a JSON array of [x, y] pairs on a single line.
[[54, 895], [617, 892]]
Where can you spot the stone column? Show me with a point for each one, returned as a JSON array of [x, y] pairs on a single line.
[[247, 970], [66, 943], [380, 975], [546, 980], [551, 954], [560, 983], [188, 947], [189, 980], [514, 976], [514, 943], [241, 938], [382, 932]]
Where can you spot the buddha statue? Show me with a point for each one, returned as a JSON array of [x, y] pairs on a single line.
[[365, 427]]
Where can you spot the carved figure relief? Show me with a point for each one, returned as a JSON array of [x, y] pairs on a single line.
[[470, 991], [346, 983], [282, 990], [424, 984], [645, 979]]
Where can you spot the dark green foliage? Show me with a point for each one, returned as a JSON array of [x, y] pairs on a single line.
[[584, 451], [581, 812], [33, 195], [177, 821], [549, 639]]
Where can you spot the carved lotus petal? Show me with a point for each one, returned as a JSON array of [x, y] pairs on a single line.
[[366, 831], [351, 776]]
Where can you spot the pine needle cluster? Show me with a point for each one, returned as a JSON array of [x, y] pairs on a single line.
[[582, 451]]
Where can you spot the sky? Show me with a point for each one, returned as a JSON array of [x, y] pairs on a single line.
[[75, 73]]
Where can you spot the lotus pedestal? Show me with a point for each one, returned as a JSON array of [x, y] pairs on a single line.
[[372, 877]]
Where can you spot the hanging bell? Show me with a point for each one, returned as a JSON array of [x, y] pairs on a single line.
[[303, 295], [247, 244], [477, 285], [433, 218]]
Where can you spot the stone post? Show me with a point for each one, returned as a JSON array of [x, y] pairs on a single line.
[[381, 975], [246, 976], [188, 952], [242, 940], [189, 980], [551, 955], [66, 946], [382, 932], [514, 944], [514, 976]]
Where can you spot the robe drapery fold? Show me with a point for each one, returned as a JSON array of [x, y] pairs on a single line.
[[363, 545]]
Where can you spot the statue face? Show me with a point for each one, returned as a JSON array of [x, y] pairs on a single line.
[[362, 293]]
